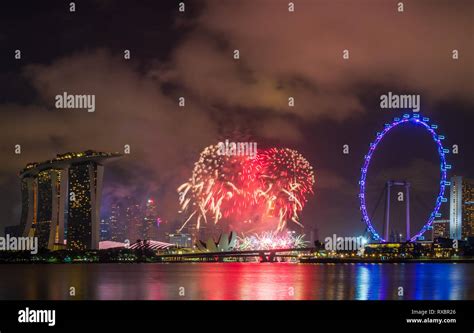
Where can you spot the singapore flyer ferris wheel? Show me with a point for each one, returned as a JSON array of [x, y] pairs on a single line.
[[422, 122]]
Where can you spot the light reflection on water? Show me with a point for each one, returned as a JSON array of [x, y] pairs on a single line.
[[243, 281]]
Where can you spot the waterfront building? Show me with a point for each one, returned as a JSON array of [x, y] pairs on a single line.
[[61, 200], [104, 230], [134, 220], [117, 223], [150, 221], [461, 208], [181, 240], [440, 229]]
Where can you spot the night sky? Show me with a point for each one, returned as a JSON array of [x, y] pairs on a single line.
[[282, 54]]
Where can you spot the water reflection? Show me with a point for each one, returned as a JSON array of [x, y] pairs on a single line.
[[245, 281]]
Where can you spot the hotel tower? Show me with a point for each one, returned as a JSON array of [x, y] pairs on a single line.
[[61, 200]]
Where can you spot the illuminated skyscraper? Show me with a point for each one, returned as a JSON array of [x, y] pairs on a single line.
[[49, 227], [440, 229], [181, 240], [150, 227], [104, 230], [461, 208], [130, 219], [117, 223], [85, 187], [134, 221], [29, 197], [43, 196], [71, 182]]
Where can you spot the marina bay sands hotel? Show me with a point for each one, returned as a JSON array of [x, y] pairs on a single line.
[[61, 200]]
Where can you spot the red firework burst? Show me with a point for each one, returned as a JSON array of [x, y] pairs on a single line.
[[277, 182], [219, 186], [286, 179]]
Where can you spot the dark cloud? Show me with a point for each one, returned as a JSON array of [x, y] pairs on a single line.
[[411, 50]]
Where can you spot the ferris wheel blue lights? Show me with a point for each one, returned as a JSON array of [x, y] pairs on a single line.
[[422, 122]]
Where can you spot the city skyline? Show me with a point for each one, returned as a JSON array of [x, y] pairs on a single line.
[[338, 104], [316, 155], [131, 220], [61, 200]]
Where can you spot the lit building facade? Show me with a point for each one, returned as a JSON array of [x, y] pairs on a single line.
[[150, 220], [181, 240], [461, 208], [49, 226], [104, 230], [117, 226], [85, 188], [440, 229], [61, 200], [134, 221], [29, 202]]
